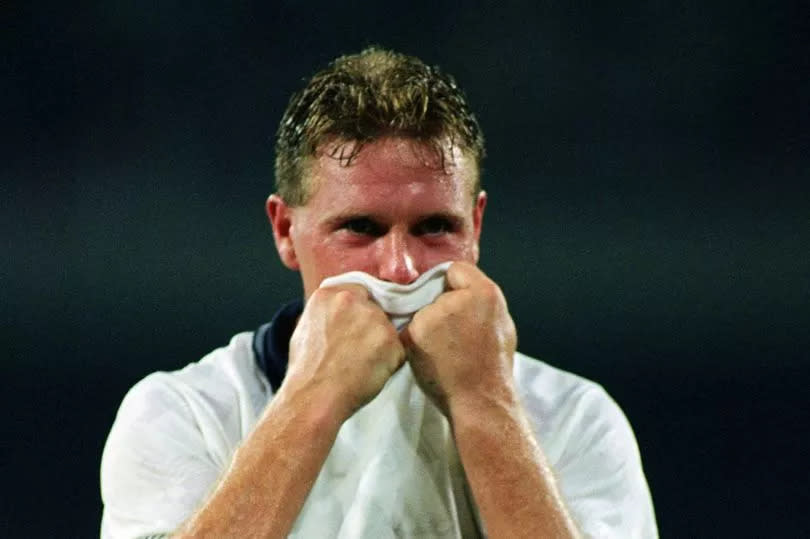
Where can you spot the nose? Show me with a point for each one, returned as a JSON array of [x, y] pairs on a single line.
[[396, 259]]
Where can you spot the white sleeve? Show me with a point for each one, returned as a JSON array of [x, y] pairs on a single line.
[[600, 472], [156, 470]]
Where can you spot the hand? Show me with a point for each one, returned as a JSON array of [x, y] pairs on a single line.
[[343, 349], [461, 346]]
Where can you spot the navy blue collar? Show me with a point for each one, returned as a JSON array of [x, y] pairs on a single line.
[[271, 342]]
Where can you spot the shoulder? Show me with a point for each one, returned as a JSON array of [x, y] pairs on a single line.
[[174, 434], [591, 447], [225, 381], [561, 401], [231, 367], [571, 414]]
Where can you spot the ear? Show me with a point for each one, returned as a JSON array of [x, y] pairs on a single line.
[[478, 220], [280, 217]]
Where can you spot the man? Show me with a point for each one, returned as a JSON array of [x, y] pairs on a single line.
[[377, 170]]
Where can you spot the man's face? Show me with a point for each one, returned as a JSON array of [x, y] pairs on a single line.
[[394, 213]]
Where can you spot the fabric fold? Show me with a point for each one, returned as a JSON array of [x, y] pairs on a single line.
[[393, 470]]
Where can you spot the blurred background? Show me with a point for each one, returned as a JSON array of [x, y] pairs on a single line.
[[649, 220]]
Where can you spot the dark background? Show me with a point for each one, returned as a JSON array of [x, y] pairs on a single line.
[[649, 220]]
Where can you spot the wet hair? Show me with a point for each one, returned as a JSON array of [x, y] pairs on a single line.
[[362, 97]]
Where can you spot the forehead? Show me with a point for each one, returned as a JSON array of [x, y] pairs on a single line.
[[392, 165]]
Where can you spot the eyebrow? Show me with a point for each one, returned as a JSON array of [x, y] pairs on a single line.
[[347, 216], [451, 218], [340, 218]]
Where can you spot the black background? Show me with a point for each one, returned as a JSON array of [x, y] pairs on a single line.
[[649, 220]]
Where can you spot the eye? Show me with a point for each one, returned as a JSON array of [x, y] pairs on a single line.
[[434, 226], [363, 226]]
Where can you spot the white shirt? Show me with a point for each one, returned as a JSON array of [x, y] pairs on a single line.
[[175, 434]]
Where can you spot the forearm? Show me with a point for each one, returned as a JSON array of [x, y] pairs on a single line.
[[270, 475], [510, 479]]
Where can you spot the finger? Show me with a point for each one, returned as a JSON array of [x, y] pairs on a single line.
[[405, 337], [463, 275], [357, 290], [400, 356]]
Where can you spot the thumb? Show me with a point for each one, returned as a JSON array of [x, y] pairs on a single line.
[[462, 275]]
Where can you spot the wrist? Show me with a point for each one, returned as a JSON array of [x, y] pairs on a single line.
[[321, 408], [476, 407]]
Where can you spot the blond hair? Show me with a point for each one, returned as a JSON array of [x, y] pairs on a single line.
[[362, 97]]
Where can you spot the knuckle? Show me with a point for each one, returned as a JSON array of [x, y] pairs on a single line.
[[459, 301], [383, 335], [455, 270], [491, 292], [345, 298], [319, 295]]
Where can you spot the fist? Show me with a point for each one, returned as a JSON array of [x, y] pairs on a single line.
[[461, 346], [343, 349]]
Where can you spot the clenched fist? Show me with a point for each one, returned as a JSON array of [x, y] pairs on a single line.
[[461, 346], [343, 350]]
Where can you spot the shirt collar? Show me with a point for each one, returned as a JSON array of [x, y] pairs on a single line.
[[271, 342]]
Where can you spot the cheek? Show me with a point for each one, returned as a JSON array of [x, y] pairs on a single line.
[[335, 257], [432, 254]]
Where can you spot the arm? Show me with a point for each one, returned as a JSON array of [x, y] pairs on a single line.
[[461, 349], [507, 471], [271, 474], [341, 353]]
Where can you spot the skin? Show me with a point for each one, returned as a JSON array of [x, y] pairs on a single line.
[[393, 213]]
